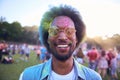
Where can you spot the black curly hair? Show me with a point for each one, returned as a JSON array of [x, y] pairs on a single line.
[[62, 10]]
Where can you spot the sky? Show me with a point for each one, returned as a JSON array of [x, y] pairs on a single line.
[[101, 17]]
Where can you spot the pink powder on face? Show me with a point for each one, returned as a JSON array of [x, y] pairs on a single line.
[[63, 21]]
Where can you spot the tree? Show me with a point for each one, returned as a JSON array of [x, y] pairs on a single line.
[[2, 19], [16, 30], [4, 30]]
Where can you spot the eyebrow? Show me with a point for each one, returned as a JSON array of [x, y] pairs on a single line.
[[56, 27]]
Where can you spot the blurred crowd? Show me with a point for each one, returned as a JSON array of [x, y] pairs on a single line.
[[8, 50], [105, 62]]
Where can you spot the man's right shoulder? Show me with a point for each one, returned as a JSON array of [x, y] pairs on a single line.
[[31, 72], [91, 74], [34, 68], [43, 69]]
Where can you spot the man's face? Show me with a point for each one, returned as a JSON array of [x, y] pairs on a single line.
[[62, 38]]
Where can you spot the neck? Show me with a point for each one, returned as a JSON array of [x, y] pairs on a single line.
[[61, 67]]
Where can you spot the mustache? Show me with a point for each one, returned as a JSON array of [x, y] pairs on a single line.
[[63, 58], [62, 42]]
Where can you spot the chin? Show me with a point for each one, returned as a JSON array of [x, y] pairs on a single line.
[[62, 58]]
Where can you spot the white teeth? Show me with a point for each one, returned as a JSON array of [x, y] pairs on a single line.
[[62, 45]]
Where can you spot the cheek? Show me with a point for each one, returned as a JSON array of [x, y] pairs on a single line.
[[50, 41], [73, 39]]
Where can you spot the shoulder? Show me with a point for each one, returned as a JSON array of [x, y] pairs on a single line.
[[31, 73], [86, 73], [33, 69], [90, 74]]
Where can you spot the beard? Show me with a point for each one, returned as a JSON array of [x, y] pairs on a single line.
[[53, 44], [62, 58]]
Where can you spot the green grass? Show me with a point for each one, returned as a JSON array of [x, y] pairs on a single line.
[[13, 71]]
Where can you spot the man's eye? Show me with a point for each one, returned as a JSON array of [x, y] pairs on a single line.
[[53, 32], [70, 31]]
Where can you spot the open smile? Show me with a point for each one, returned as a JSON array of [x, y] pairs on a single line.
[[62, 46]]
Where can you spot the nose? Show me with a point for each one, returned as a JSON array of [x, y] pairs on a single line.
[[62, 36]]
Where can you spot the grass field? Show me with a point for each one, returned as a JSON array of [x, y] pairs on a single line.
[[12, 71]]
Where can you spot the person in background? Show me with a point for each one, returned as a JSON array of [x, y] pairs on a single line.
[[43, 54], [3, 47], [93, 58], [61, 31], [27, 52], [109, 58], [102, 64], [118, 60], [22, 51], [7, 59], [113, 66], [37, 51], [78, 54]]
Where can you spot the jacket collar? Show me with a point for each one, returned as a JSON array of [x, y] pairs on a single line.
[[79, 70], [47, 68]]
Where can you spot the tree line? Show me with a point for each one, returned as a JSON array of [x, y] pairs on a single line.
[[14, 32]]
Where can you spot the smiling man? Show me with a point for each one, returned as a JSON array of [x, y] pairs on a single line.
[[61, 31], [62, 38]]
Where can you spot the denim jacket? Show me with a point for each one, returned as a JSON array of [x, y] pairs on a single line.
[[42, 72]]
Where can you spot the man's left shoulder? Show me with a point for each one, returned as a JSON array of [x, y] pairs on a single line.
[[90, 74]]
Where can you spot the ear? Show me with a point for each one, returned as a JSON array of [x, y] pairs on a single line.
[[77, 43], [48, 41], [76, 40]]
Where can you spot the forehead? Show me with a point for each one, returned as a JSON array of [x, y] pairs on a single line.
[[63, 21]]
